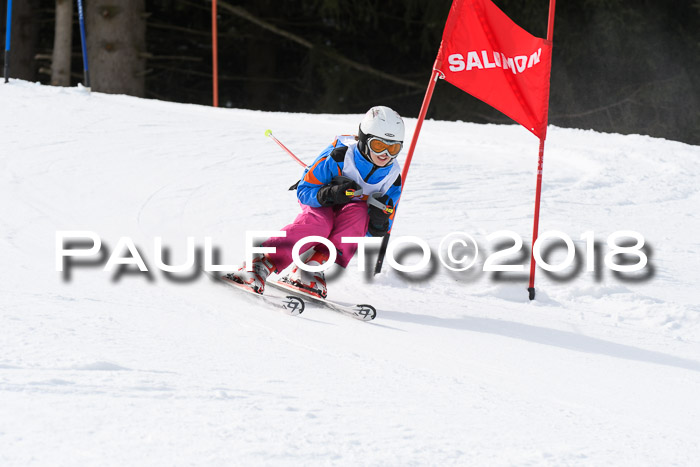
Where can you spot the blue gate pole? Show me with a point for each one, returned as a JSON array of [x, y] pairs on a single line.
[[8, 34], [81, 17]]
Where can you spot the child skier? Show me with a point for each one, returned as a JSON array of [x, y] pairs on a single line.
[[330, 206]]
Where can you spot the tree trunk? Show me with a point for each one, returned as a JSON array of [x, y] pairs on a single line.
[[25, 37], [116, 42], [62, 43]]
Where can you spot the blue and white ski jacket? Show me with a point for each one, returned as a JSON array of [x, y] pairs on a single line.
[[343, 157]]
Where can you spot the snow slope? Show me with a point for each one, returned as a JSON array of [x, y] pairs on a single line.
[[102, 368]]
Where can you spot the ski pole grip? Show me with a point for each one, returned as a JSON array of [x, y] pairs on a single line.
[[373, 201], [342, 178]]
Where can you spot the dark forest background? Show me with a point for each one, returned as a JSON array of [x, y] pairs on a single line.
[[623, 66]]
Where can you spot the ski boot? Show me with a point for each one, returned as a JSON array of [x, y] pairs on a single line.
[[255, 279], [313, 283]]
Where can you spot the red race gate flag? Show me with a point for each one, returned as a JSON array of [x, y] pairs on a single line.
[[487, 55]]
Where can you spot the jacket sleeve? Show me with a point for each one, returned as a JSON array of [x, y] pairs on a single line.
[[326, 166]]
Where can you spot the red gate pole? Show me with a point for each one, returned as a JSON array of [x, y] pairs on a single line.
[[419, 124], [540, 164]]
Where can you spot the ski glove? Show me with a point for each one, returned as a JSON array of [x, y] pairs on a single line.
[[338, 191], [379, 219]]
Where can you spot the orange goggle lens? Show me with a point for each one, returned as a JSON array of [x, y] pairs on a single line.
[[379, 146]]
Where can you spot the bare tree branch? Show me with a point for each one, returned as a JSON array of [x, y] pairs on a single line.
[[627, 99], [330, 53]]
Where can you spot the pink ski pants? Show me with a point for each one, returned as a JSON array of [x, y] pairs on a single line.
[[332, 222]]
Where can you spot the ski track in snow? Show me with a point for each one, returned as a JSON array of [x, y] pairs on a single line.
[[99, 368]]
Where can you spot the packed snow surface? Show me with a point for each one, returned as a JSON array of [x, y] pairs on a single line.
[[124, 367]]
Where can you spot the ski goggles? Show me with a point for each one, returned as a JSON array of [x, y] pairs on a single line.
[[378, 145]]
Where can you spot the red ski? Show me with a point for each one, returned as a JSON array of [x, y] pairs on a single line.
[[291, 304]]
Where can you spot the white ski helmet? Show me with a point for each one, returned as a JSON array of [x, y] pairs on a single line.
[[382, 122]]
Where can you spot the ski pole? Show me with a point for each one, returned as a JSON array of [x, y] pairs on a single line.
[[268, 133], [412, 147], [8, 35], [372, 200]]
